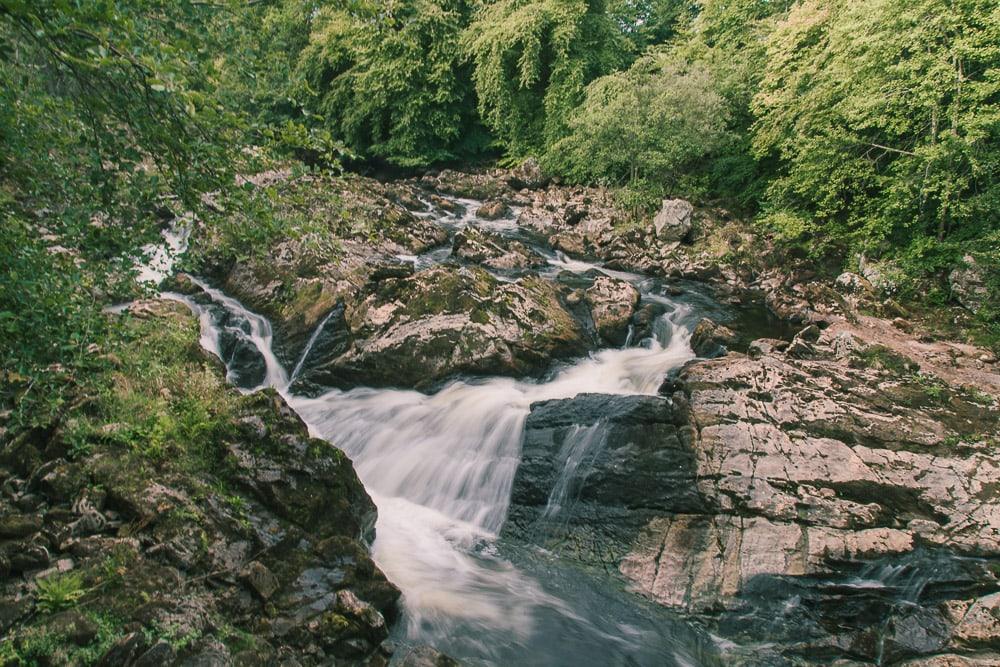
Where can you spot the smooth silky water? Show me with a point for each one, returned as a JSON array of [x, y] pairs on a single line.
[[440, 469]]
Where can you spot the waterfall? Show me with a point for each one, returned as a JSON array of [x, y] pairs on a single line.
[[579, 448], [440, 469], [309, 346]]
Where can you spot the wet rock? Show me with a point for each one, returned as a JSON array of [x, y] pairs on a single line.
[[811, 462], [448, 320], [426, 656], [294, 476], [710, 339], [492, 210], [673, 221], [612, 302], [595, 468], [913, 632], [494, 251], [968, 284], [74, 626]]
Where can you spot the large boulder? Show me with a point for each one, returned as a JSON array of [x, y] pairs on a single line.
[[494, 251], [612, 303], [595, 468], [528, 175], [448, 320], [673, 221]]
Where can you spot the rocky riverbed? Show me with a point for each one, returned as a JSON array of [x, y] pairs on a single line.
[[564, 417]]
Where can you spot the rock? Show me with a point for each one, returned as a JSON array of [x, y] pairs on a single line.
[[482, 186], [968, 284], [913, 632], [527, 176], [845, 345], [124, 651], [260, 579], [595, 468], [710, 339], [494, 251], [673, 222], [447, 320], [975, 623], [13, 526], [812, 462], [492, 210], [852, 283], [426, 656], [207, 652], [765, 346], [25, 556], [612, 302], [74, 626], [160, 653]]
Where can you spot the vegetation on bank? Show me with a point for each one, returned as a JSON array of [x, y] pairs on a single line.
[[821, 121]]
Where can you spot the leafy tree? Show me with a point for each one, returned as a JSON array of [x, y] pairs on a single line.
[[649, 123], [533, 59], [388, 80], [885, 116], [105, 110], [650, 22]]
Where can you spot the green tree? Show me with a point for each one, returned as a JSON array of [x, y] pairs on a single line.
[[533, 59], [885, 116], [106, 114], [389, 80], [650, 123]]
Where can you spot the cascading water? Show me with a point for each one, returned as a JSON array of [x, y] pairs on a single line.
[[440, 469]]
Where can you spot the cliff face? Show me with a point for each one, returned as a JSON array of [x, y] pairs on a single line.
[[819, 492], [163, 516]]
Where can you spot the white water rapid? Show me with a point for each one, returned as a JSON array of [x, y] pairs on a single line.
[[440, 469]]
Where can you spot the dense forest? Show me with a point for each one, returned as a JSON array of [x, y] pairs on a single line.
[[856, 138]]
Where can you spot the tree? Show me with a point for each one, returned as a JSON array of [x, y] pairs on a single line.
[[388, 79], [885, 117], [649, 123], [533, 59]]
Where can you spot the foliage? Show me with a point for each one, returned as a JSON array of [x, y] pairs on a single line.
[[389, 80], [683, 119], [883, 146], [650, 22], [60, 591], [533, 59]]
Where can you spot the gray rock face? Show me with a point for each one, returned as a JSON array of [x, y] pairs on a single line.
[[673, 222], [596, 467], [528, 175], [968, 285]]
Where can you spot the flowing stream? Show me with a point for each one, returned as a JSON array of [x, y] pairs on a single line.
[[440, 469]]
